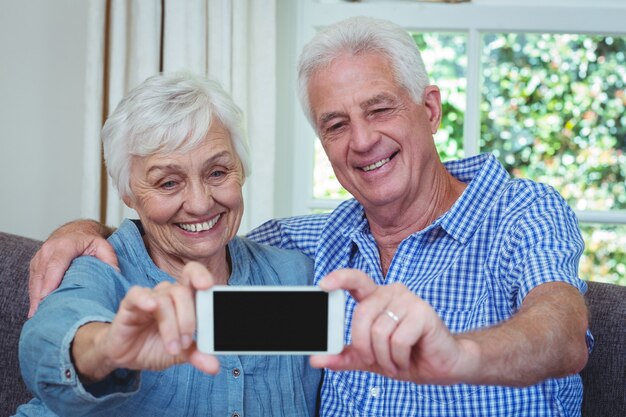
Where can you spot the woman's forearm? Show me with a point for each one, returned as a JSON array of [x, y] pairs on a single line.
[[88, 354]]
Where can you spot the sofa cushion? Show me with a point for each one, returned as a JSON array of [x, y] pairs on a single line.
[[604, 377], [15, 255]]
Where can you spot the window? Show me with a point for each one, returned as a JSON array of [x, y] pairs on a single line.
[[544, 91]]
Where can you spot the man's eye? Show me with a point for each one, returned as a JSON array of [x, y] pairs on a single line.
[[217, 174], [336, 126], [381, 110]]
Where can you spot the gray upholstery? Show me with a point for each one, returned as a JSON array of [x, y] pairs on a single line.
[[15, 255], [604, 376]]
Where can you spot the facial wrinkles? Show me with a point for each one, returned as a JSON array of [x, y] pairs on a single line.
[[162, 210], [359, 95]]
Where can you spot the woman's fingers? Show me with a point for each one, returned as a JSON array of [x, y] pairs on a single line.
[[185, 313], [196, 276], [175, 315], [204, 362]]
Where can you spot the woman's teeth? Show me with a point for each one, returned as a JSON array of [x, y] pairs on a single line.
[[199, 227]]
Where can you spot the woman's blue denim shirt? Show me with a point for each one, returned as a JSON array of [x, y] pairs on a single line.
[[92, 291]]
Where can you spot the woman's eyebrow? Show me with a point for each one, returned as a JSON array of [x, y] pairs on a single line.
[[218, 157], [164, 167]]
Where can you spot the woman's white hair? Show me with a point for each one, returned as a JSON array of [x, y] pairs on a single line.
[[168, 113], [359, 36]]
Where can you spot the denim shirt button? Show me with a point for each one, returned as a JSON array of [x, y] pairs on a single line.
[[236, 372], [235, 414], [68, 374]]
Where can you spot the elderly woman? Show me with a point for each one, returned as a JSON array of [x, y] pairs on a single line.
[[175, 150]]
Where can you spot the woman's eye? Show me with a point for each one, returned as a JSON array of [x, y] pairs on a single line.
[[168, 185]]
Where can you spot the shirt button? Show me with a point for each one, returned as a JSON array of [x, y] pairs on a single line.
[[375, 392], [236, 372], [68, 374], [235, 414]]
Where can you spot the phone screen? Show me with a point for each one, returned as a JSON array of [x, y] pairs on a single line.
[[270, 321]]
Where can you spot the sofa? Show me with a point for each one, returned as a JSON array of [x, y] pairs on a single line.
[[604, 377]]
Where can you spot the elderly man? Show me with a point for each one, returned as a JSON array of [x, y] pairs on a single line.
[[464, 291]]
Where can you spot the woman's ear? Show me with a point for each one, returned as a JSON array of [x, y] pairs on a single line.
[[128, 201], [432, 103]]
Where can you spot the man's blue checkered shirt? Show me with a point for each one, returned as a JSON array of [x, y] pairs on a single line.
[[474, 265]]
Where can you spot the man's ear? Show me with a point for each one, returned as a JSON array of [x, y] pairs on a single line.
[[432, 104]]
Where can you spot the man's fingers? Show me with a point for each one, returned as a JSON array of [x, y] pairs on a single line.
[[35, 282], [46, 272], [355, 281], [54, 258], [348, 359], [53, 274], [106, 254], [383, 328]]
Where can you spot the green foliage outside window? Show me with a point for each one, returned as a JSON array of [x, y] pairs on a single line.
[[554, 110]]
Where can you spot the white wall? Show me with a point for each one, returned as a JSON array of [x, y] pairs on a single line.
[[42, 77]]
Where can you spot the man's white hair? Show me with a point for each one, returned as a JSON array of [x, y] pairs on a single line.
[[359, 36]]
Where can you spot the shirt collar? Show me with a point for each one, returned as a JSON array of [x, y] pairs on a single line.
[[485, 177]]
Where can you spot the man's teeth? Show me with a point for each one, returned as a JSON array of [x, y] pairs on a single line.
[[376, 165], [199, 227]]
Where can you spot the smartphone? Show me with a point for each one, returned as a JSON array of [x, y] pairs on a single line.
[[270, 320]]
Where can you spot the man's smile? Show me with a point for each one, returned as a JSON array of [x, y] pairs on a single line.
[[378, 164]]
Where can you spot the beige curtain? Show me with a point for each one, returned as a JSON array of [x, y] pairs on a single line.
[[231, 40]]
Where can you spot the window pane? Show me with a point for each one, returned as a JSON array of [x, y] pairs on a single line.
[[604, 258], [325, 184], [553, 109], [445, 58]]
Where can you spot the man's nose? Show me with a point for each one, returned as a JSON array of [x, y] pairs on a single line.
[[363, 137]]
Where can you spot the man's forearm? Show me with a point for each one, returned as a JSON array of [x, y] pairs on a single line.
[[545, 339]]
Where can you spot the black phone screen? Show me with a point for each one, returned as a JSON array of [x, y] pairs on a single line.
[[248, 321]]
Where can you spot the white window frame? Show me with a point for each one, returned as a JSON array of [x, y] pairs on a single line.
[[604, 17]]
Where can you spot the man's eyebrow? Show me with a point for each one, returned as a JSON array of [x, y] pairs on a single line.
[[377, 99]]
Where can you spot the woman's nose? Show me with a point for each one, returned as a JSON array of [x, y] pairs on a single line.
[[198, 198]]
